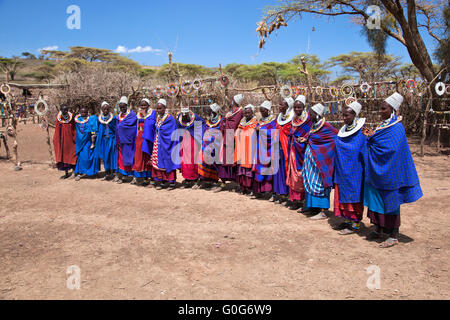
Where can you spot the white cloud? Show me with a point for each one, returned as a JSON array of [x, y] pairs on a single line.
[[138, 49], [48, 48], [121, 49]]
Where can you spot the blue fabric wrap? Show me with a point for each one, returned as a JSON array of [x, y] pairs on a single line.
[[87, 162], [126, 132], [279, 178], [148, 135], [349, 167], [84, 132], [166, 145], [390, 167], [105, 146]]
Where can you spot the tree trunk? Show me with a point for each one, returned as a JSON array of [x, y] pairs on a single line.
[[5, 143], [413, 40]]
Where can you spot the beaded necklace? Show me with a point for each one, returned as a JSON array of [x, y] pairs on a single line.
[[352, 126], [192, 116], [149, 113], [214, 122], [386, 123], [230, 114], [245, 123], [61, 118], [108, 120], [296, 122], [81, 121], [317, 126], [160, 120], [123, 116], [269, 119]]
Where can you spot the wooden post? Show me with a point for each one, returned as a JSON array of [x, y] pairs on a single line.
[[439, 139], [427, 110], [15, 145], [308, 79], [50, 150], [5, 143], [170, 67]]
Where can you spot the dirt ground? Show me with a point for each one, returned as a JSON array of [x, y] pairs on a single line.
[[138, 243]]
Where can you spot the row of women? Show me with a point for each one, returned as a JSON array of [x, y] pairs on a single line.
[[296, 157]]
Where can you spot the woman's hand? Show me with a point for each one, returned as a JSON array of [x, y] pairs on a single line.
[[368, 132]]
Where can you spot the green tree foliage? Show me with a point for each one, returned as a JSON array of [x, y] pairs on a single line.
[[28, 55], [271, 73], [442, 52], [44, 72], [408, 70], [11, 66], [71, 65], [92, 54], [183, 71], [367, 66], [402, 20], [53, 54], [147, 73]]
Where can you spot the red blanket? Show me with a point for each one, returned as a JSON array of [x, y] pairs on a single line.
[[64, 142]]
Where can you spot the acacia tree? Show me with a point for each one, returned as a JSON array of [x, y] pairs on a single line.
[[92, 54], [10, 66], [399, 19], [368, 66], [271, 73]]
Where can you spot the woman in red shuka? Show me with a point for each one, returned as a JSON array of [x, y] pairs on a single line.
[[64, 141]]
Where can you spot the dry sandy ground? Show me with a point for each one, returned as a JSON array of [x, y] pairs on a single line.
[[139, 243]]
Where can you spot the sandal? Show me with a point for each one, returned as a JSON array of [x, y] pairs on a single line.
[[320, 216], [390, 242], [347, 231], [171, 187]]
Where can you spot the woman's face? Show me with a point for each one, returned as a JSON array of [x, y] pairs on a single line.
[[144, 106], [314, 116], [248, 113], [105, 109], [283, 106], [349, 116], [264, 112], [83, 112], [298, 108], [123, 107], [161, 109], [385, 111], [64, 110]]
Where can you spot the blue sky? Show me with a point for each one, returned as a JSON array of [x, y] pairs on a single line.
[[209, 32]]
